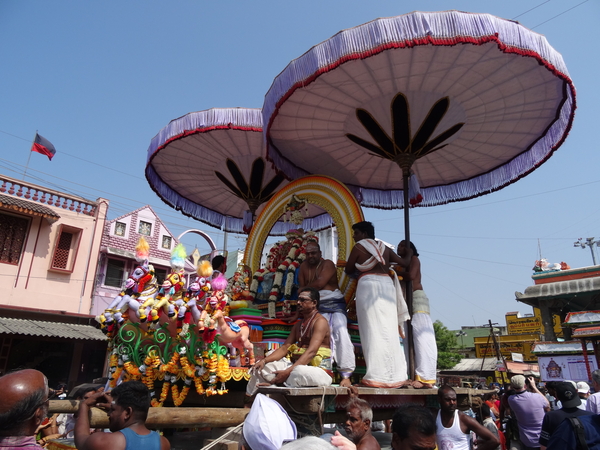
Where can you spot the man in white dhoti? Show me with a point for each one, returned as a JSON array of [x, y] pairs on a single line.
[[321, 274], [423, 333], [305, 357], [380, 308]]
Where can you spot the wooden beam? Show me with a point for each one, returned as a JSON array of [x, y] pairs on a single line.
[[165, 417]]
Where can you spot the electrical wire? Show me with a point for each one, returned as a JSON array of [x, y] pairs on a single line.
[[558, 15]]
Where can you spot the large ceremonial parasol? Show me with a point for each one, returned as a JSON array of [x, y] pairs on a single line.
[[469, 103], [210, 166]]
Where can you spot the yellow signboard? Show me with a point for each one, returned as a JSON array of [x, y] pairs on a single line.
[[530, 324], [502, 377], [508, 345]]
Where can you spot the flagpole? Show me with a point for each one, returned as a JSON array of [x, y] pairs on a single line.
[[30, 152]]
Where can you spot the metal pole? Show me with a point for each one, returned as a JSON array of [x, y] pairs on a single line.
[[409, 291], [30, 152]]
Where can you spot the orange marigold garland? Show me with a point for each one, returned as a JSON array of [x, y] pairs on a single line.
[[151, 362], [222, 373], [132, 370], [179, 397], [171, 366], [199, 370], [116, 368], [163, 393], [188, 370], [212, 365]]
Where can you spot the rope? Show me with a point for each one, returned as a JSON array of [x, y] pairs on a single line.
[[222, 437]]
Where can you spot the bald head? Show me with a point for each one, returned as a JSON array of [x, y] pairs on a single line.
[[24, 402]]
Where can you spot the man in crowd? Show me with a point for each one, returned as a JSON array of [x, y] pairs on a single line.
[[528, 407], [573, 436], [583, 389], [413, 427], [23, 407], [66, 422], [127, 406], [593, 401], [359, 417], [567, 394], [454, 428], [488, 422], [422, 326], [321, 274], [305, 357], [380, 308]]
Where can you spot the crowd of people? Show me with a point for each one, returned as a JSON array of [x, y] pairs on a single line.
[[521, 418]]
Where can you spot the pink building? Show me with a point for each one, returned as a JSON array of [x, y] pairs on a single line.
[[117, 253], [49, 246]]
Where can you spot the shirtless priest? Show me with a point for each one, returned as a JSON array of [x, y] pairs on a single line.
[[380, 308], [321, 274], [305, 357]]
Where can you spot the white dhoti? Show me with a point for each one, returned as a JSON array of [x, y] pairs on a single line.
[[424, 339], [301, 376], [333, 308], [378, 307]]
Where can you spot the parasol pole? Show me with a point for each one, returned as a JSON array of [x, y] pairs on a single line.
[[405, 161]]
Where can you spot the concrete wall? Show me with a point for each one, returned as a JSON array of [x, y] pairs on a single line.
[[32, 283]]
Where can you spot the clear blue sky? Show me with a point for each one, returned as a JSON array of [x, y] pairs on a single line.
[[100, 79]]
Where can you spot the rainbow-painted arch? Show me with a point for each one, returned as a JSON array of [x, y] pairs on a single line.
[[325, 192]]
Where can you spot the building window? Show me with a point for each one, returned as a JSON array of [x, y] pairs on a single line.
[[120, 228], [115, 269], [166, 242], [65, 249], [13, 232], [145, 228]]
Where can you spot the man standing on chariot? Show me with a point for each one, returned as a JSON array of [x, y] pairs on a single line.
[[380, 308], [321, 274]]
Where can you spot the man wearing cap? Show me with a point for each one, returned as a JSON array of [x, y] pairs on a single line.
[[23, 407], [528, 407], [583, 389], [267, 426], [304, 359], [567, 394]]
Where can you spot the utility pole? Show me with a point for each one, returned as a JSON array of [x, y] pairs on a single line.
[[589, 242], [462, 335]]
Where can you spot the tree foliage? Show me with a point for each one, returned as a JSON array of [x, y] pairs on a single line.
[[446, 342]]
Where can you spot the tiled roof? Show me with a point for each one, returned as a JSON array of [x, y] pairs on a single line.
[[18, 204], [50, 329]]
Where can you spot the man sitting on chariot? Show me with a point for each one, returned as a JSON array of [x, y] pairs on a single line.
[[305, 357], [321, 274]]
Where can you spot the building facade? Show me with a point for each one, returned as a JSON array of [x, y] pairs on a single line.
[[49, 246]]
